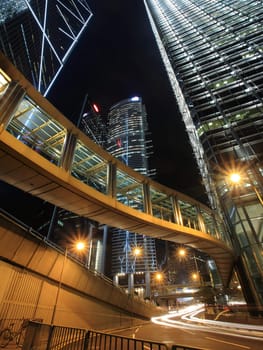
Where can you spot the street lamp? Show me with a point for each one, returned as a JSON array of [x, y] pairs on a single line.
[[182, 253], [195, 276], [79, 246], [159, 276], [134, 252], [236, 178], [137, 251]]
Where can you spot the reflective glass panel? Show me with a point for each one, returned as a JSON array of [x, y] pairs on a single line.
[[35, 128], [129, 191], [90, 168]]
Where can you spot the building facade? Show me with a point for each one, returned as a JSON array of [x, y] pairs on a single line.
[[133, 255], [212, 51], [127, 134], [93, 123], [38, 36]]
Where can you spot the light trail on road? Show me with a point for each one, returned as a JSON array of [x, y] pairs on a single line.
[[186, 319]]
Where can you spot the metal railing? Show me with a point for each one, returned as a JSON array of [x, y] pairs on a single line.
[[46, 337], [34, 233], [33, 122]]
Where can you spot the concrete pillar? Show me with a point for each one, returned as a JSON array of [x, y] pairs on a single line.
[[130, 283], [116, 280], [147, 284], [104, 246]]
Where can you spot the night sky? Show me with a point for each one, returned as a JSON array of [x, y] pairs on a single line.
[[117, 58]]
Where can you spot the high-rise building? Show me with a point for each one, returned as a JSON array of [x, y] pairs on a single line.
[[213, 54], [93, 123], [133, 255], [38, 36], [128, 134]]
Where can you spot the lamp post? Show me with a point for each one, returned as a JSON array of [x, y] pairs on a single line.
[[59, 286], [182, 253], [79, 246], [159, 277], [135, 253], [195, 276]]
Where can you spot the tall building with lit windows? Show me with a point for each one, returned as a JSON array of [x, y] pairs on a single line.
[[133, 255], [213, 54], [38, 36], [128, 134]]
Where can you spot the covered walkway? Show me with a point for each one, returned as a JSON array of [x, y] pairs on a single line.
[[44, 154]]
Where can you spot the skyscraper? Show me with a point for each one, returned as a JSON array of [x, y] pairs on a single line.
[[38, 36], [133, 255], [127, 134], [212, 51], [93, 123]]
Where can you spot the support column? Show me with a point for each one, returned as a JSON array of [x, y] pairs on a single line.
[[104, 247], [147, 284], [131, 283], [116, 280]]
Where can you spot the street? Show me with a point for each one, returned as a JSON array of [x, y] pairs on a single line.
[[178, 329]]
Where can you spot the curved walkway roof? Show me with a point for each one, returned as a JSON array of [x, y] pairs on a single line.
[[44, 154]]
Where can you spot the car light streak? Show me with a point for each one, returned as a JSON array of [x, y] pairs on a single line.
[[186, 318], [226, 342]]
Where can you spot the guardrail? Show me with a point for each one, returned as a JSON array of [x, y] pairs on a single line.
[[61, 165], [31, 120], [30, 231], [46, 337]]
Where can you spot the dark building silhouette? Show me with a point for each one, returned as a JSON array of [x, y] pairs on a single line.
[[38, 36]]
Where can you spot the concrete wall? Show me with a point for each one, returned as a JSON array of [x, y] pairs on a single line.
[[33, 276]]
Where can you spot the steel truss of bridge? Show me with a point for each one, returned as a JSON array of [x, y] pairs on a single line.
[[44, 154]]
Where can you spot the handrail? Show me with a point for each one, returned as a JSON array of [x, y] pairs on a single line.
[[32, 232], [70, 171], [32, 120], [81, 339]]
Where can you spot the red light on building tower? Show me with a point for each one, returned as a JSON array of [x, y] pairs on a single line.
[[95, 108]]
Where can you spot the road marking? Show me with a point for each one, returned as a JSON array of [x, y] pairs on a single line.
[[226, 342]]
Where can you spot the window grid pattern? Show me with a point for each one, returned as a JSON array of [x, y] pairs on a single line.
[[212, 51], [35, 128], [32, 126], [38, 36]]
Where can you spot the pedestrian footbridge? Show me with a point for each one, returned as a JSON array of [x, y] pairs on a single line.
[[44, 154]]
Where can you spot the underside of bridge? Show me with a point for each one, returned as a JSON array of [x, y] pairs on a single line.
[[52, 184], [38, 281], [35, 172]]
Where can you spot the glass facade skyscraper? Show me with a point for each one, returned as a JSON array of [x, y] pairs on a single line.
[[133, 255], [127, 134], [213, 54], [38, 36]]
